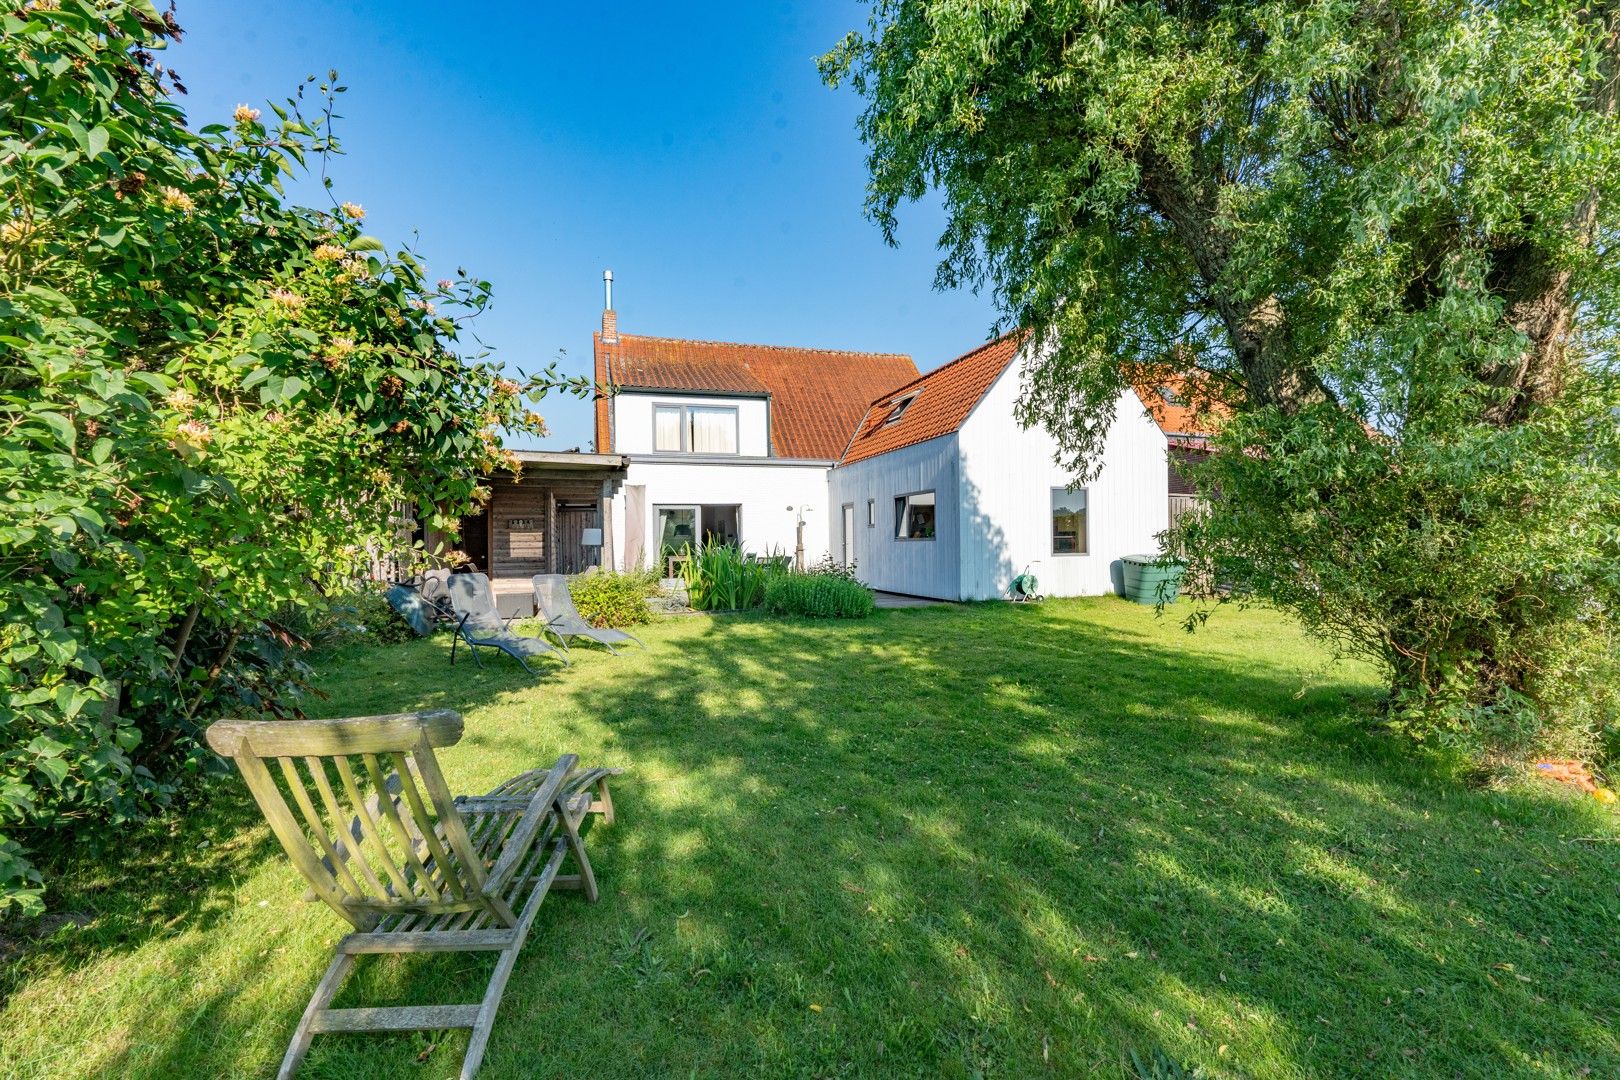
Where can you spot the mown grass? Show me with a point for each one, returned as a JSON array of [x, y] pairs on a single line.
[[984, 841]]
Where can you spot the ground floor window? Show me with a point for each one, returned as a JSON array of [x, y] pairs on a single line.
[[679, 526], [1068, 521], [914, 516]]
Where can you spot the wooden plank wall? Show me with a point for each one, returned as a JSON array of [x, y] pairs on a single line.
[[529, 549]]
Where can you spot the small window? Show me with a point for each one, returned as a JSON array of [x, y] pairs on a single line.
[[1068, 521], [899, 410], [667, 429], [871, 513], [1171, 397], [914, 516]]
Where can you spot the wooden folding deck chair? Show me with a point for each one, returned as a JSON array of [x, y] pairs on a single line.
[[413, 870]]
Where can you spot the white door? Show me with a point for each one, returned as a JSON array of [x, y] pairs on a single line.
[[849, 534]]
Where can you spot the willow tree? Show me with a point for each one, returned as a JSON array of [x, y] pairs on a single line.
[[1374, 237]]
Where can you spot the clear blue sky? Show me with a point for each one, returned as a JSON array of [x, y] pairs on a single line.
[[690, 147]]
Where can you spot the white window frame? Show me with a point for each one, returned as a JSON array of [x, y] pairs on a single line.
[[898, 409], [686, 410], [902, 504], [1051, 522]]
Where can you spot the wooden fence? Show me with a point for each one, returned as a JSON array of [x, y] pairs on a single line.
[[1181, 505]]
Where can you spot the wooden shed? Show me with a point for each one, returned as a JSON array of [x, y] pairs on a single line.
[[545, 519]]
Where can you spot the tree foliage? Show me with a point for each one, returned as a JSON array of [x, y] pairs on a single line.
[[1372, 240], [212, 402]]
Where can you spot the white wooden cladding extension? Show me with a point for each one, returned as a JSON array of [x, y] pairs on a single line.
[[1008, 475], [914, 567], [993, 480]]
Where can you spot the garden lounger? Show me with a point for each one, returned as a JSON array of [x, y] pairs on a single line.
[[480, 625], [554, 604], [414, 870]]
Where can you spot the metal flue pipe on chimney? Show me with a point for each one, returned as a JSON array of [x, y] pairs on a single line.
[[610, 321]]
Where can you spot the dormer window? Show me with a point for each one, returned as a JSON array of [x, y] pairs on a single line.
[[899, 409], [1171, 397]]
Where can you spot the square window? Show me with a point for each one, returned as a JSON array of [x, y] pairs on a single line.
[[914, 516], [712, 430]]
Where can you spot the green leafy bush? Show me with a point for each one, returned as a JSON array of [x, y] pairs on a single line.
[[818, 596], [608, 599], [367, 614], [213, 402]]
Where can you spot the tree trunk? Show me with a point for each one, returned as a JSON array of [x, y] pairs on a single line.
[[1258, 329], [1532, 284]]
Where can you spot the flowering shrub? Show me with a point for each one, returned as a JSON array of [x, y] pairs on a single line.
[[211, 403]]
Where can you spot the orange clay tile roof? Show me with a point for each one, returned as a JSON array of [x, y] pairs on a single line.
[[1190, 416], [943, 399], [817, 395]]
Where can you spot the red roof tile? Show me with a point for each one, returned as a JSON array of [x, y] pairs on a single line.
[[1186, 410], [942, 400], [817, 395]]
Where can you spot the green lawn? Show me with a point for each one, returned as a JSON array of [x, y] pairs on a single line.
[[985, 841]]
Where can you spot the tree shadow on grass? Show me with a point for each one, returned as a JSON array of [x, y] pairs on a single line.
[[976, 841]]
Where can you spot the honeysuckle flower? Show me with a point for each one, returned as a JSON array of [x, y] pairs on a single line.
[[445, 284], [195, 433], [506, 387], [175, 199], [12, 232], [246, 114], [353, 210], [339, 347], [286, 298], [422, 305], [330, 253], [179, 399]]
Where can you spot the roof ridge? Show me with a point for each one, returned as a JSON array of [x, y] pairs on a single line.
[[925, 376], [775, 348]]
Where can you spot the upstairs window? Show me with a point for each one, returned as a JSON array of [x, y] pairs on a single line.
[[914, 516], [667, 429], [694, 429], [899, 409], [1069, 521], [711, 430]]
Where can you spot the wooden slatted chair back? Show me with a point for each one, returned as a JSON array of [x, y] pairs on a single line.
[[363, 811]]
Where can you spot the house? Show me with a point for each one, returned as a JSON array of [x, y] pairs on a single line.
[[926, 483], [724, 441], [942, 492]]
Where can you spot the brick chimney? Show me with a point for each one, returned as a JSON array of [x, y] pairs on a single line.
[[610, 320]]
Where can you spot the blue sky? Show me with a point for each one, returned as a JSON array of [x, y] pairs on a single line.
[[690, 147]]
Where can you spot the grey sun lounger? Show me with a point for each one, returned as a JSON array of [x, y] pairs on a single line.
[[555, 606], [479, 624]]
